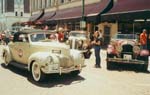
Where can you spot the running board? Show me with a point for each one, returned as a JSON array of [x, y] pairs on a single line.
[[19, 65]]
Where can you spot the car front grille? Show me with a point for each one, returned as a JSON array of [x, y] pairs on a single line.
[[66, 62], [127, 49]]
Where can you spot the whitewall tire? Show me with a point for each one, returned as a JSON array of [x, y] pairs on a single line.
[[37, 74]]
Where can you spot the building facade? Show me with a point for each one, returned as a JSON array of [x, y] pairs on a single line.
[[13, 11], [126, 17], [69, 13]]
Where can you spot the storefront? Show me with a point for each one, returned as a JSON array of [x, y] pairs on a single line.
[[70, 18], [126, 16], [130, 16]]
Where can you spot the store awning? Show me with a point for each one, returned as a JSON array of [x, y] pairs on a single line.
[[47, 15], [128, 10], [36, 17], [91, 10]]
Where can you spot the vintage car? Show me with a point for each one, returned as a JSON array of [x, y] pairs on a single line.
[[125, 49], [39, 52], [79, 40]]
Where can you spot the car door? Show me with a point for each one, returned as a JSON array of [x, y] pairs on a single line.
[[20, 49]]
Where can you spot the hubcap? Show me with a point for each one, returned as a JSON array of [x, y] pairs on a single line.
[[36, 73], [5, 59]]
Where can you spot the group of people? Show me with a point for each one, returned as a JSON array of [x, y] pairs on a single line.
[[60, 35], [5, 37]]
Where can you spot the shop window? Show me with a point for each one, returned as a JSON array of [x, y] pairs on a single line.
[[125, 28]]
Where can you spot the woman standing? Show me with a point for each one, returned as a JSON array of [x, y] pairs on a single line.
[[96, 45]]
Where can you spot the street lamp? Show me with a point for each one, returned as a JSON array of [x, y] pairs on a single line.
[[83, 3], [83, 22]]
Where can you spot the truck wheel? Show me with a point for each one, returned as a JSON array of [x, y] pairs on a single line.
[[37, 74]]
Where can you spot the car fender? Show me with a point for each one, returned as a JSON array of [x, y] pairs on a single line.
[[40, 57], [5, 50], [77, 56]]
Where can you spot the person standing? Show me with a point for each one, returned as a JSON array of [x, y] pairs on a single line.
[[97, 47], [61, 34], [7, 35], [143, 39]]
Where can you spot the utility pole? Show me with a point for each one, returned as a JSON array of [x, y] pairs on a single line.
[[57, 8], [83, 22], [83, 3]]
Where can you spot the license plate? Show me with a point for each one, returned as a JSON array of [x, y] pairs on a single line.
[[127, 56]]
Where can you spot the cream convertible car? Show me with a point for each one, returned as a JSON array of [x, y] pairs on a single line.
[[37, 51]]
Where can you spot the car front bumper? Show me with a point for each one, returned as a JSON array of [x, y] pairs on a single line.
[[62, 70], [128, 61]]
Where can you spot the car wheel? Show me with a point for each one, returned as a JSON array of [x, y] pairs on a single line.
[[37, 74], [6, 59], [109, 65], [75, 73], [145, 67]]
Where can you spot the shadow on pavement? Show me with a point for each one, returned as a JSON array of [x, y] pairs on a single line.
[[53, 80], [138, 68]]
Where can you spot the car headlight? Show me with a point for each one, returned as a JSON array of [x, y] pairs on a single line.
[[119, 48], [144, 53], [80, 42], [49, 59], [136, 49], [111, 49]]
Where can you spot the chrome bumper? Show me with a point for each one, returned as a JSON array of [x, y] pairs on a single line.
[[62, 70], [121, 60]]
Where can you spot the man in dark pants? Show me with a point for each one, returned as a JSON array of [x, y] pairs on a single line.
[[96, 45]]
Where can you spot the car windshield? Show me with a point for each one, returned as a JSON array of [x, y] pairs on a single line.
[[37, 37], [44, 37], [125, 36], [78, 34]]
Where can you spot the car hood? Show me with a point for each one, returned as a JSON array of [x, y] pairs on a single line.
[[123, 42], [51, 44], [78, 38]]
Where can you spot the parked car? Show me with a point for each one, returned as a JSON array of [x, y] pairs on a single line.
[[38, 52], [79, 40], [125, 49]]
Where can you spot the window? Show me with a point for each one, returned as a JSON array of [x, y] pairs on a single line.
[[9, 5], [21, 14], [26, 6], [49, 3], [2, 6], [40, 4], [16, 13]]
